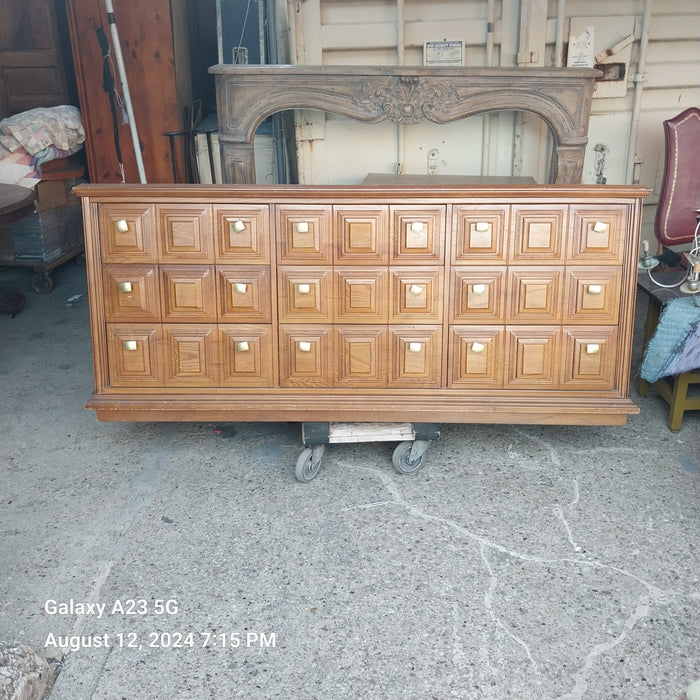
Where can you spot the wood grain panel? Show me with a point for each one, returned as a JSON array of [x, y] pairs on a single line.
[[361, 234], [361, 356], [480, 233], [191, 355], [247, 355], [132, 293], [242, 234], [244, 293], [476, 357], [127, 233], [188, 293]]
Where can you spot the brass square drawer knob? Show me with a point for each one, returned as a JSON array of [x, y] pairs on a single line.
[[240, 287], [301, 227], [125, 286], [304, 346], [478, 347], [482, 226], [303, 288], [415, 347], [122, 225], [600, 227], [595, 288], [416, 289], [242, 346], [479, 289], [417, 226], [238, 226], [592, 348], [130, 345]]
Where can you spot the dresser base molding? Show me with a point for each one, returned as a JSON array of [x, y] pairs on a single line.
[[378, 409]]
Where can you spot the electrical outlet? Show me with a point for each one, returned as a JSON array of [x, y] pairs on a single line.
[[433, 161]]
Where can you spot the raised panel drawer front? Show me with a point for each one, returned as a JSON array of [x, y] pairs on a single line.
[[361, 294], [415, 356], [538, 234], [417, 234], [305, 355], [416, 295], [361, 356], [247, 355], [244, 293], [479, 234], [127, 233], [242, 234], [185, 233], [131, 293], [535, 295], [191, 355], [305, 295], [361, 235], [304, 234], [188, 292], [589, 356], [476, 357], [477, 295], [133, 355], [592, 295], [597, 233], [532, 357]]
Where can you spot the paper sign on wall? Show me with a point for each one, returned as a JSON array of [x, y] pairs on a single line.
[[581, 49]]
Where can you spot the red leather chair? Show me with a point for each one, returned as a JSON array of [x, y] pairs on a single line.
[[679, 203]]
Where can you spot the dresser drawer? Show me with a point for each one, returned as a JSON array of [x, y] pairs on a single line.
[[361, 235], [535, 295], [361, 294], [244, 294], [188, 293], [304, 234], [133, 355], [131, 292], [532, 357], [190, 355], [476, 357], [589, 357], [185, 233], [361, 356], [592, 295], [417, 234], [127, 233], [305, 355], [416, 294], [480, 234], [538, 234], [597, 233], [415, 355], [477, 294], [242, 234], [305, 294], [246, 352]]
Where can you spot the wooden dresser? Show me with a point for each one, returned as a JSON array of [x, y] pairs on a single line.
[[483, 304]]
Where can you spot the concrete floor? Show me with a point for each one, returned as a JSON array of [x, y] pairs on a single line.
[[521, 562]]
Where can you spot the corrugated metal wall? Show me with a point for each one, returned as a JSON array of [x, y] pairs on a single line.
[[526, 32]]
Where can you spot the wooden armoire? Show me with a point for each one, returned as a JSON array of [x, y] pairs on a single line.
[[156, 49]]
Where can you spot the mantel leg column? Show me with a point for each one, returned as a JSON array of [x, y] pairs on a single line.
[[237, 161], [569, 164]]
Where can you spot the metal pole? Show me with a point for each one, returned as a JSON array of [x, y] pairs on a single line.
[[125, 89]]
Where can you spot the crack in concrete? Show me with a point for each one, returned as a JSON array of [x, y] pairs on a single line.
[[644, 602]]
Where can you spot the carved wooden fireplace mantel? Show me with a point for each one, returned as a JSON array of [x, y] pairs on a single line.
[[246, 95]]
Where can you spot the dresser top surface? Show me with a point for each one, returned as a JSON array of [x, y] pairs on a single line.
[[445, 193]]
